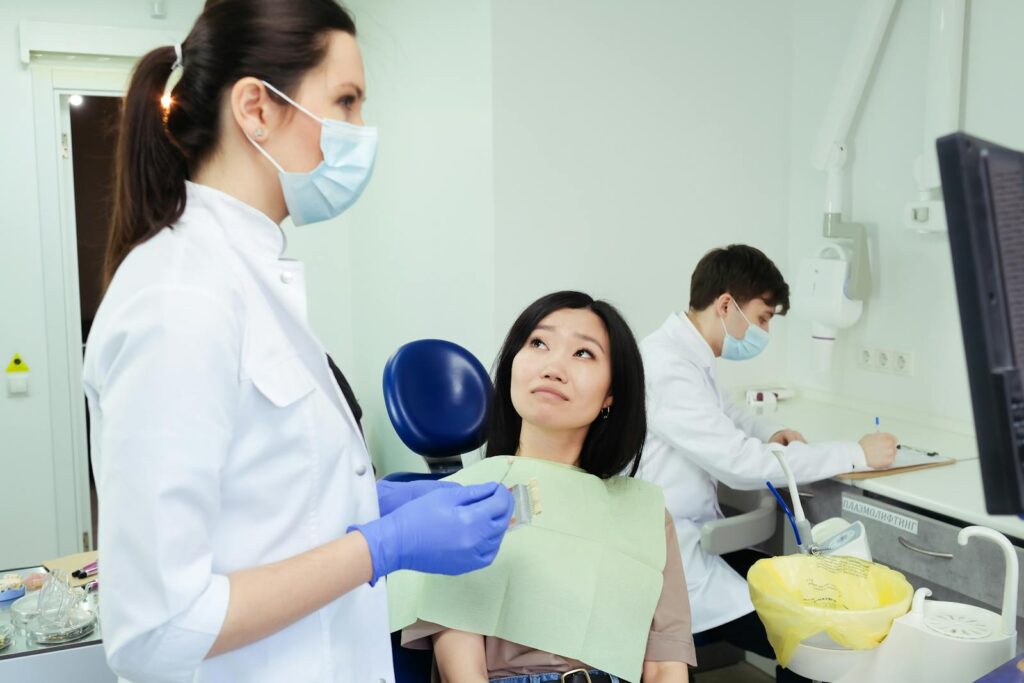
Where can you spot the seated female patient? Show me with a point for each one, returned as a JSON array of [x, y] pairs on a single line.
[[588, 584]]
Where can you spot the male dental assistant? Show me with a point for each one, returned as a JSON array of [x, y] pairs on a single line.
[[697, 437]]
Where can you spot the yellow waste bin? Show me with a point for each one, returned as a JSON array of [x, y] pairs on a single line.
[[852, 600]]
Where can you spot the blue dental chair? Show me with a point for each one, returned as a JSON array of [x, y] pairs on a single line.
[[437, 395]]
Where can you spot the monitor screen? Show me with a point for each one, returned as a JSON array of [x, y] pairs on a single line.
[[983, 188]]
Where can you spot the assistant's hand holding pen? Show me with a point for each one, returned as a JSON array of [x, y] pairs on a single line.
[[879, 449]]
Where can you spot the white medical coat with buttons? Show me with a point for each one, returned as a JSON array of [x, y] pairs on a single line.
[[221, 441], [698, 437]]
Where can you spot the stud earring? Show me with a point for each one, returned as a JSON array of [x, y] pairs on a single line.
[[259, 132]]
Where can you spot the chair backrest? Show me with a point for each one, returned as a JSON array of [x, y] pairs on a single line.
[[437, 394], [753, 520]]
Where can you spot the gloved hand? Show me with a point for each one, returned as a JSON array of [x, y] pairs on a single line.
[[452, 530], [394, 494]]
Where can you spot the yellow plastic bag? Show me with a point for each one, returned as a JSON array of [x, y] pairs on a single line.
[[853, 601]]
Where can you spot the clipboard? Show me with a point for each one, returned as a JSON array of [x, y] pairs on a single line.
[[908, 459], [72, 563]]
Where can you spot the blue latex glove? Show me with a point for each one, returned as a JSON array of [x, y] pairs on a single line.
[[394, 494], [452, 530]]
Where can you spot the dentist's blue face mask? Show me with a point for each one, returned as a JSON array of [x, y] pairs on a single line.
[[753, 342], [336, 183]]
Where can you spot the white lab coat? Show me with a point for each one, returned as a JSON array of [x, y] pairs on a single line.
[[221, 441], [697, 437]]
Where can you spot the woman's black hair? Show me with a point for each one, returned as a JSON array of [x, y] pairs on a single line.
[[160, 148], [611, 444]]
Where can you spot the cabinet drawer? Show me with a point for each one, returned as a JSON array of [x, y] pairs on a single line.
[[917, 544], [822, 500]]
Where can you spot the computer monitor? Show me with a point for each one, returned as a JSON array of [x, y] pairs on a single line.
[[983, 187]]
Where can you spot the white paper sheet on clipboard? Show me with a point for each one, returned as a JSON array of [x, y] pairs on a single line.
[[908, 456], [908, 459]]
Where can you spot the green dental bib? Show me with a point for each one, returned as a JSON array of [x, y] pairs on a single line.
[[581, 581]]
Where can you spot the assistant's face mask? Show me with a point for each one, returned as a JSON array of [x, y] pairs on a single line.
[[753, 342], [336, 183]]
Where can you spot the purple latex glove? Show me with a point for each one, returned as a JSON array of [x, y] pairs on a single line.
[[394, 494], [451, 530]]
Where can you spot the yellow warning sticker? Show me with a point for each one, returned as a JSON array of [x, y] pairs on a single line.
[[17, 364]]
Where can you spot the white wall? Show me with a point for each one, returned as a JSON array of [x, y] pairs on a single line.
[[631, 138], [585, 158], [423, 235], [913, 303]]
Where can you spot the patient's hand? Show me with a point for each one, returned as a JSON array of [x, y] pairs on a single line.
[[460, 657]]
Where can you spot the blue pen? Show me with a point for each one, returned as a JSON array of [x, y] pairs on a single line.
[[876, 425], [785, 508]]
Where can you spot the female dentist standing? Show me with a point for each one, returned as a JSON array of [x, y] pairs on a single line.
[[242, 534]]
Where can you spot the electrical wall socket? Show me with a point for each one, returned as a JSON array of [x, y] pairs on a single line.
[[866, 358], [903, 363], [889, 361]]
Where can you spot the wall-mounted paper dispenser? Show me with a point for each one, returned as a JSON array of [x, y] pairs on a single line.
[[822, 295]]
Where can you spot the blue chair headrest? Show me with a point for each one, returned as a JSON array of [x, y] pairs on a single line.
[[437, 394]]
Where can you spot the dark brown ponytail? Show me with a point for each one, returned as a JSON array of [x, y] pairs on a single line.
[[157, 149], [150, 172]]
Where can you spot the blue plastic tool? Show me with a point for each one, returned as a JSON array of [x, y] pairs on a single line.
[[785, 508]]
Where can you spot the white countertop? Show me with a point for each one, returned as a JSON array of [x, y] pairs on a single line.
[[953, 491]]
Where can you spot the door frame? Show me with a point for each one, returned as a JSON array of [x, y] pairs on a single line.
[[51, 87], [64, 60]]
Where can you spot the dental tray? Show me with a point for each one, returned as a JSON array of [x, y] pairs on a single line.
[[76, 623], [12, 587]]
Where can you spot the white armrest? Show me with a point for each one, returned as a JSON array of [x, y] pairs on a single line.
[[743, 530]]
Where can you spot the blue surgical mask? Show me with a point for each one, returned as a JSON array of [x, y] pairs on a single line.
[[336, 183], [754, 341]]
